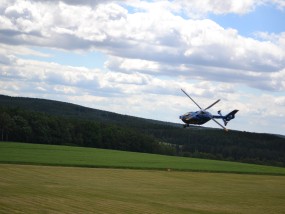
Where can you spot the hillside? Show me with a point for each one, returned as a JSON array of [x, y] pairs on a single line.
[[53, 122], [72, 110]]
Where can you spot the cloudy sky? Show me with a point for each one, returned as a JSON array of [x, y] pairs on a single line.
[[133, 56]]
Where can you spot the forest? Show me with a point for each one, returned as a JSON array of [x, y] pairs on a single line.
[[34, 127], [53, 122]]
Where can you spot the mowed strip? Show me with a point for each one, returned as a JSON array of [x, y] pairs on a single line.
[[37, 154], [49, 189]]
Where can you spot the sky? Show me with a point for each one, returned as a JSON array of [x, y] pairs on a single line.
[[132, 57]]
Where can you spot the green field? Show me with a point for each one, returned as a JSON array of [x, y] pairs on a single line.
[[49, 189], [103, 181], [37, 154]]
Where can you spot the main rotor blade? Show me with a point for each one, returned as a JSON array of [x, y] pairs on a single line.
[[212, 105], [191, 99], [219, 124]]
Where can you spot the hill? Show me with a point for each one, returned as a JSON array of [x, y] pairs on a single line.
[[72, 110], [53, 122]]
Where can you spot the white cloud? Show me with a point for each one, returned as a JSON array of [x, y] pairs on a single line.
[[145, 37], [279, 3], [280, 101], [200, 9], [196, 8]]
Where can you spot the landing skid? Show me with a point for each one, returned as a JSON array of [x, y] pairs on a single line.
[[185, 125]]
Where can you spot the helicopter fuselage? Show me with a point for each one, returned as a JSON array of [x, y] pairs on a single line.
[[197, 118]]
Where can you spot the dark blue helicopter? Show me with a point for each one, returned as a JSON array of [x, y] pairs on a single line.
[[202, 116]]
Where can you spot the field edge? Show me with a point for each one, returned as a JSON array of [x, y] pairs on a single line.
[[138, 168]]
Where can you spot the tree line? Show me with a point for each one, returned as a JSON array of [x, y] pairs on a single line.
[[34, 127], [266, 149]]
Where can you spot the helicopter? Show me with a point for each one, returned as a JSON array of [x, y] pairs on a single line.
[[203, 116]]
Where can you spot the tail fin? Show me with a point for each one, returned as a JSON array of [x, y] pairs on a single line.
[[226, 118], [230, 115]]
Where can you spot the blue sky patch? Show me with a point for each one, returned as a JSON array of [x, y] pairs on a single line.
[[263, 19], [91, 59]]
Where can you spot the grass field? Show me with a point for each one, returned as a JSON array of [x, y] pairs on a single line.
[[49, 189], [37, 154], [107, 188]]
